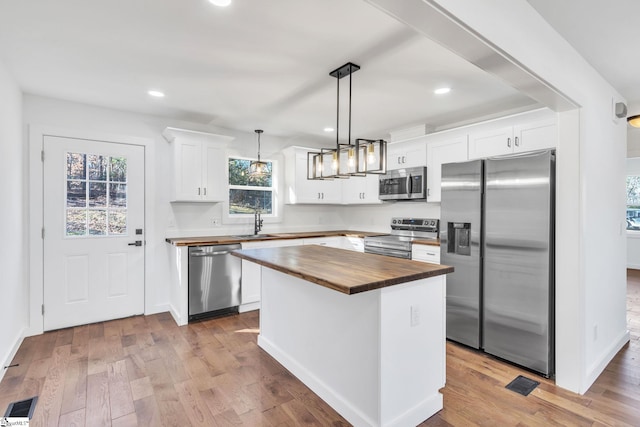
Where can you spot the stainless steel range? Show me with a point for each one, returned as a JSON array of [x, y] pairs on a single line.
[[403, 232]]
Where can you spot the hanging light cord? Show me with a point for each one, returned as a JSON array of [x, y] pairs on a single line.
[[258, 131]]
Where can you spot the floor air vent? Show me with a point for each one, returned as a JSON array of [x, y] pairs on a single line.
[[523, 385], [22, 409]]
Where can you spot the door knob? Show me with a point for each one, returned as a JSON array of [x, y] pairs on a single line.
[[136, 243]]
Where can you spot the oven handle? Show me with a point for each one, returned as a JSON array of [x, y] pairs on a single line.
[[388, 252]]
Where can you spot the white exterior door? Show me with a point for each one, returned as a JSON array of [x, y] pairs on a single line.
[[93, 217]]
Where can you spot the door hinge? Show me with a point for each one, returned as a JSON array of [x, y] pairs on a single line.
[[42, 155], [42, 233], [43, 309]]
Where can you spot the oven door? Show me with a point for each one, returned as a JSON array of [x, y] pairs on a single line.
[[404, 184]]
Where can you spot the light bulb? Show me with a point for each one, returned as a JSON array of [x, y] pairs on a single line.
[[371, 155], [334, 162], [352, 158]]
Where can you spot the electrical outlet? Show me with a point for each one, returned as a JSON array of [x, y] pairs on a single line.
[[216, 222], [415, 315]]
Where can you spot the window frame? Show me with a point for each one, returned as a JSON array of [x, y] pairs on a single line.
[[274, 216]]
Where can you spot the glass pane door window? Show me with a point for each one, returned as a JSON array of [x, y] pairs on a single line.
[[96, 195]]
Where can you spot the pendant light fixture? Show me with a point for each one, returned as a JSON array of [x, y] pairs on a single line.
[[347, 159], [634, 121], [258, 168]]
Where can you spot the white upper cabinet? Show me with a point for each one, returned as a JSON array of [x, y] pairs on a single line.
[[442, 148], [516, 134], [299, 189], [361, 190], [407, 154], [199, 165]]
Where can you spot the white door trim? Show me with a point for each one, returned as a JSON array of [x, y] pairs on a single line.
[[36, 134]]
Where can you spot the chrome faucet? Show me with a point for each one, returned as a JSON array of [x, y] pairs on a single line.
[[257, 221]]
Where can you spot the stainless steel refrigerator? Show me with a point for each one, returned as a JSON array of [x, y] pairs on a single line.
[[497, 231]]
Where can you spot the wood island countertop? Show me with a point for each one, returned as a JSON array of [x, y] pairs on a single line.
[[342, 270]]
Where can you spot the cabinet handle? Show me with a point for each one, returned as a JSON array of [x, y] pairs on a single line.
[[399, 160], [509, 142], [198, 191], [428, 192], [322, 196], [205, 191], [517, 142], [404, 159]]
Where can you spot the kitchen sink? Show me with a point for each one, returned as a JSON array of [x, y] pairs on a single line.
[[251, 236]]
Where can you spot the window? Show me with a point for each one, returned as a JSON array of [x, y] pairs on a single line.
[[633, 202], [96, 195], [247, 193]]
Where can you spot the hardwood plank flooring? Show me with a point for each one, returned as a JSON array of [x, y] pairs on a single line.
[[146, 371]]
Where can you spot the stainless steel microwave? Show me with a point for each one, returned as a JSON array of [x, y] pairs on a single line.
[[404, 184]]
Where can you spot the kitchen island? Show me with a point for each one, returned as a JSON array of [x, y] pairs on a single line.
[[365, 332]]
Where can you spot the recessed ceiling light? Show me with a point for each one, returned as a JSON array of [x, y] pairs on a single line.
[[221, 3], [328, 129], [156, 93], [442, 90]]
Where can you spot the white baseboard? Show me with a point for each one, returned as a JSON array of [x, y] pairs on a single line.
[[174, 313], [8, 357], [596, 369], [160, 308], [249, 307]]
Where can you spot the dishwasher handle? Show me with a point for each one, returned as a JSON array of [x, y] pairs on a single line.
[[205, 254]]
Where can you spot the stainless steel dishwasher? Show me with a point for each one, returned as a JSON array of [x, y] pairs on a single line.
[[214, 281]]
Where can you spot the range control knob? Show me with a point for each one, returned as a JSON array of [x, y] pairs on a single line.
[[394, 221]]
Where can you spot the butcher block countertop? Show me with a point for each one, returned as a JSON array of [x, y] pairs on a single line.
[[342, 270], [224, 240], [430, 242]]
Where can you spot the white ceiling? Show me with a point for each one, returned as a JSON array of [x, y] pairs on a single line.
[[265, 64], [255, 64], [605, 33]]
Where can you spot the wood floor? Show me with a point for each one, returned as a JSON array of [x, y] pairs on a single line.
[[146, 371]]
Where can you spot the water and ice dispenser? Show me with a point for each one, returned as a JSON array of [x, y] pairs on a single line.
[[459, 235]]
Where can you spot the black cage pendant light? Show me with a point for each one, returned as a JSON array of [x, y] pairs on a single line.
[[347, 159], [258, 168]]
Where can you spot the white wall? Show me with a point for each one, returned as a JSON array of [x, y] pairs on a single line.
[[591, 323], [13, 285]]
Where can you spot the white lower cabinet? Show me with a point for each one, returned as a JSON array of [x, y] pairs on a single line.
[[251, 273], [425, 253], [332, 242], [353, 243]]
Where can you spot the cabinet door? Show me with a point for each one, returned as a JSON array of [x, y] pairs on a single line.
[[491, 142], [187, 171], [214, 183], [425, 253], [535, 136], [332, 242], [440, 152], [310, 191], [251, 281], [361, 190], [407, 154], [353, 243]]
